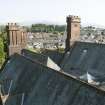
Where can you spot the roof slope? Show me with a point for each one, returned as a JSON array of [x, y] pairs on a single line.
[[85, 57], [56, 56], [43, 59], [35, 56], [44, 86]]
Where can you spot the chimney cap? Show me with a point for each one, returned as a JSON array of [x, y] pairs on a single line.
[[73, 16]]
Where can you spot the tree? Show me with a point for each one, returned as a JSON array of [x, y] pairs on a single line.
[[3, 47], [4, 38], [2, 53], [47, 28]]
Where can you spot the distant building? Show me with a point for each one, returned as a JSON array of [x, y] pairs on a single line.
[[45, 40]]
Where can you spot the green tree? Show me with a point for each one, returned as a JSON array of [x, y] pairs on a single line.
[[2, 53], [47, 28], [3, 46]]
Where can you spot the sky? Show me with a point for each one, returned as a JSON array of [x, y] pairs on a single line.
[[54, 11]]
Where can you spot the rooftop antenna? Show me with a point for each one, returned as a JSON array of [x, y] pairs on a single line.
[[22, 102], [10, 86]]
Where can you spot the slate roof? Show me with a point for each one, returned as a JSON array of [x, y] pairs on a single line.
[[44, 86], [42, 57], [56, 56], [14, 100], [35, 56], [85, 58]]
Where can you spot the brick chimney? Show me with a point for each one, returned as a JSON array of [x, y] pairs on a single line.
[[17, 38], [73, 31]]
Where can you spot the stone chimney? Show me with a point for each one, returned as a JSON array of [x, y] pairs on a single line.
[[17, 38], [73, 31]]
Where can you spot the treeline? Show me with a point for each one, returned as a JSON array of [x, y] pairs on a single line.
[[47, 28], [3, 45]]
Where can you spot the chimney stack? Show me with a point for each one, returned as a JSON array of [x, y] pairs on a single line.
[[17, 38], [73, 31]]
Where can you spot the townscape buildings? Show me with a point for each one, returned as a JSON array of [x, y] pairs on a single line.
[[93, 35], [46, 40], [42, 40]]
